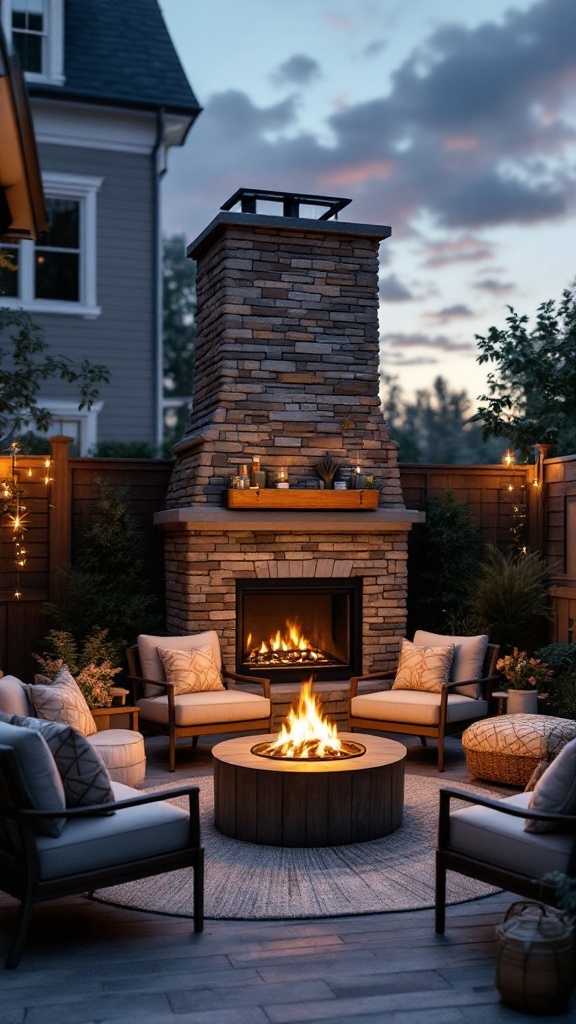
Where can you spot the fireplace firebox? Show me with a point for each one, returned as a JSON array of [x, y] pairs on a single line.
[[296, 629]]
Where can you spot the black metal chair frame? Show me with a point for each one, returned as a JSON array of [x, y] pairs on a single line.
[[448, 859], [444, 727], [20, 874]]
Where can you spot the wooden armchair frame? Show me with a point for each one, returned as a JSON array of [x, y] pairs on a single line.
[[444, 727], [518, 882], [170, 728], [20, 874]]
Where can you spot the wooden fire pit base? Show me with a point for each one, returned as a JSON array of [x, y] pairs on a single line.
[[308, 803]]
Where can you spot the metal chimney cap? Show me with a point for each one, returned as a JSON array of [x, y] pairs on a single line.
[[291, 201]]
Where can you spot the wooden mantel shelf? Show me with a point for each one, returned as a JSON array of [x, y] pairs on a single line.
[[292, 498]]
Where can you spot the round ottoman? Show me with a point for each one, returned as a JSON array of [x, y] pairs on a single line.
[[122, 751], [508, 748]]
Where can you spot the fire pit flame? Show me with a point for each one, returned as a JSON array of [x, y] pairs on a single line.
[[306, 735]]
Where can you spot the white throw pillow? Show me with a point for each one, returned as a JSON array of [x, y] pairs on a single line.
[[63, 701], [555, 790], [469, 654], [423, 668], [191, 671]]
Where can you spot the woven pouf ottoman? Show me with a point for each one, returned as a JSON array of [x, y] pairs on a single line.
[[508, 748]]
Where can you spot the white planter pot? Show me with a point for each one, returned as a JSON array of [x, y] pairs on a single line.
[[522, 702]]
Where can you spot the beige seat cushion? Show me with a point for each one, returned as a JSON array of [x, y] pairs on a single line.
[[500, 839], [206, 708], [414, 707]]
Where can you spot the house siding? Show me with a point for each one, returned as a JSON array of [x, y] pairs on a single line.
[[122, 337]]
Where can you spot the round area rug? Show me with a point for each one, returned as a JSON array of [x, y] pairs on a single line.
[[244, 881]]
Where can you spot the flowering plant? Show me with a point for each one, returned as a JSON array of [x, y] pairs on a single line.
[[90, 665], [523, 672]]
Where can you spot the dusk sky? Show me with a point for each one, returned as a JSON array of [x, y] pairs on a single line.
[[452, 122]]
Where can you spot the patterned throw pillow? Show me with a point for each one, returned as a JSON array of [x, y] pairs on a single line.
[[191, 671], [63, 701], [79, 765], [423, 668], [39, 775], [555, 791]]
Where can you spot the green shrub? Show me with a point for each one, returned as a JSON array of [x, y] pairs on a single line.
[[561, 658], [510, 597], [444, 555]]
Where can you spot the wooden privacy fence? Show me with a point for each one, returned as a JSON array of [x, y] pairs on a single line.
[[501, 499]]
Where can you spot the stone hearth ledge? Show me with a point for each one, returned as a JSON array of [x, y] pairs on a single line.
[[210, 518]]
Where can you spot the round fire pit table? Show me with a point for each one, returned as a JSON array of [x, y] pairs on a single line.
[[277, 802]]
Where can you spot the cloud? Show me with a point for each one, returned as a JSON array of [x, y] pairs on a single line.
[[440, 342], [374, 49], [455, 312], [474, 132], [493, 285], [298, 70], [392, 290]]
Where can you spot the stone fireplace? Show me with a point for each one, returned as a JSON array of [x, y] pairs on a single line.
[[287, 369]]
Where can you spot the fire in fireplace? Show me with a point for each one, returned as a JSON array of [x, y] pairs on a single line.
[[291, 629]]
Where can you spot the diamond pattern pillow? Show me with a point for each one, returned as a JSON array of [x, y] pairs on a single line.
[[63, 701], [79, 765], [423, 668], [191, 671]]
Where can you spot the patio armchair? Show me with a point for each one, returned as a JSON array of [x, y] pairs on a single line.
[[49, 849], [413, 703], [513, 843], [197, 701]]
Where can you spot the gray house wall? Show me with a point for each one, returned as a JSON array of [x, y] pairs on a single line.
[[122, 336]]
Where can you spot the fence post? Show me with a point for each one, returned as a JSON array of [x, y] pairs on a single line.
[[60, 518]]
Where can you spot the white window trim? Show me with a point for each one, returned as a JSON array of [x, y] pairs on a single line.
[[54, 72], [66, 186], [87, 419]]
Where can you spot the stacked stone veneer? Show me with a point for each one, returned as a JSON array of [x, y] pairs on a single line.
[[287, 355], [287, 367], [202, 567]]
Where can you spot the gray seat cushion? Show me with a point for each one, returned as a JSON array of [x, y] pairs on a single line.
[[500, 839], [87, 844]]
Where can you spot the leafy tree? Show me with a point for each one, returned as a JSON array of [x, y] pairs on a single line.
[[510, 598], [436, 426], [532, 394], [26, 363], [179, 308]]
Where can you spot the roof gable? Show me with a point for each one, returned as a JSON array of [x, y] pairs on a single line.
[[120, 52]]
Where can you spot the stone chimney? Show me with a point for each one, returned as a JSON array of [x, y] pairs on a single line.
[[287, 353]]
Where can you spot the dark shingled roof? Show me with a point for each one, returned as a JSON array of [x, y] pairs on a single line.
[[120, 52]]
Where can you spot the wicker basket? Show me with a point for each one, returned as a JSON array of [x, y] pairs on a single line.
[[509, 769], [535, 959]]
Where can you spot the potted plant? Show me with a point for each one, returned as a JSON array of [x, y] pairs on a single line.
[[525, 676]]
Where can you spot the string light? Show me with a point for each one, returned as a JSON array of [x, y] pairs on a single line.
[[11, 505]]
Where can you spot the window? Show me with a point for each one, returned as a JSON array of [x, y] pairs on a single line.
[[79, 424], [36, 29], [57, 273]]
